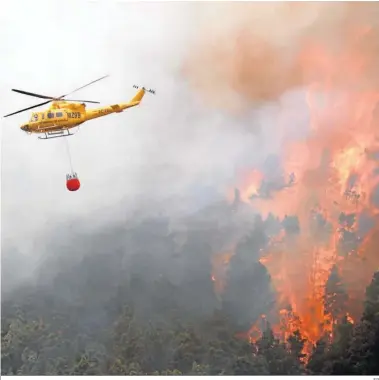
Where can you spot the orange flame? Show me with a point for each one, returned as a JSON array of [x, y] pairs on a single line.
[[334, 174]]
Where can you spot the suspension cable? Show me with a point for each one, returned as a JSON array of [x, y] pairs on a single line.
[[69, 154]]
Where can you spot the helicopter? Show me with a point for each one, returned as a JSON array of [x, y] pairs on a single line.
[[62, 115]]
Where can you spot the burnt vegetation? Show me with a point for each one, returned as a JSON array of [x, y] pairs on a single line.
[[136, 300]]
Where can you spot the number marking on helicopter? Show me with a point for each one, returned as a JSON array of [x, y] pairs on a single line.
[[74, 115]]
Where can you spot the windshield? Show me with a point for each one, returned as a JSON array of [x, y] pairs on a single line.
[[34, 117]]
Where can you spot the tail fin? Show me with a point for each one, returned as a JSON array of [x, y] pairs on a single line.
[[135, 101], [140, 94]]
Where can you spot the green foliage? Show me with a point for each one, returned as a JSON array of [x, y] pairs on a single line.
[[355, 348], [363, 351], [152, 311], [278, 356]]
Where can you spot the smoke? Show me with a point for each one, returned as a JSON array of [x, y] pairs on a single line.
[[266, 53], [171, 155], [255, 52]]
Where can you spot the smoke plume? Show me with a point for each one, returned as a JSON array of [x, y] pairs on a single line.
[[255, 52]]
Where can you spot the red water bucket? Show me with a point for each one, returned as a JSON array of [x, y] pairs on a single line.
[[72, 182]]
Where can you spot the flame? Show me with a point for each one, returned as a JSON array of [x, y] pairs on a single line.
[[334, 174], [331, 50], [255, 331], [299, 273]]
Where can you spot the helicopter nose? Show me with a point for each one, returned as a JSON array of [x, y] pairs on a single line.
[[25, 127]]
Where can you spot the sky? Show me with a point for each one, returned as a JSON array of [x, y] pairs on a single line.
[[171, 146], [176, 152]]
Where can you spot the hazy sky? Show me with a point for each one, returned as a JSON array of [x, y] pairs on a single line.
[[171, 145], [52, 48]]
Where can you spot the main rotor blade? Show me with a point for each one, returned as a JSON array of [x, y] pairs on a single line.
[[32, 94], [82, 101], [77, 89], [29, 108], [52, 98]]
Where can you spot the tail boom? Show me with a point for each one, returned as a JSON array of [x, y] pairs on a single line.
[[116, 108]]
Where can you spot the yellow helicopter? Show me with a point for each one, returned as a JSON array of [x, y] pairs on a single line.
[[61, 116]]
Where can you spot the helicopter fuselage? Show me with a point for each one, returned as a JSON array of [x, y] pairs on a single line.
[[60, 115], [63, 115]]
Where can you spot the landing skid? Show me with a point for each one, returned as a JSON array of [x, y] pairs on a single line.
[[54, 135]]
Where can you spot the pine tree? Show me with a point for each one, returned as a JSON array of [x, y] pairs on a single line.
[[336, 298], [363, 352], [355, 350], [279, 360]]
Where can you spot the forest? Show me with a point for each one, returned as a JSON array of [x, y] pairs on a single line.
[[140, 298]]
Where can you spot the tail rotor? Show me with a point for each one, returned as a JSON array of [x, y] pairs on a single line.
[[151, 91]]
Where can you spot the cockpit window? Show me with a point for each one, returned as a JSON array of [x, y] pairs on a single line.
[[34, 117]]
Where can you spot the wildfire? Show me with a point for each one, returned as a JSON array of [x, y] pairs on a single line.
[[335, 174]]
